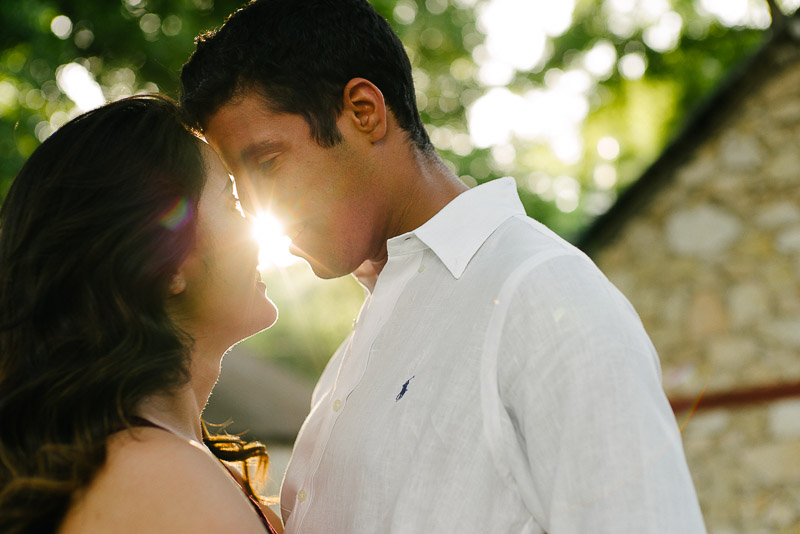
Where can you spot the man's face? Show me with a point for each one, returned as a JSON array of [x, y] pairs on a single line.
[[328, 200]]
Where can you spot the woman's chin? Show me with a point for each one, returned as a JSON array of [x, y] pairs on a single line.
[[256, 328], [260, 315], [264, 315]]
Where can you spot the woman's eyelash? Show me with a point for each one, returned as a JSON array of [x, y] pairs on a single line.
[[238, 207], [237, 203]]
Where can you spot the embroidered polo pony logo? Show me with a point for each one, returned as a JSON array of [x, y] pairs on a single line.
[[404, 389]]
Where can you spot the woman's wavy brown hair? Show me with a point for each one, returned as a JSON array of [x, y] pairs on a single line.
[[93, 228]]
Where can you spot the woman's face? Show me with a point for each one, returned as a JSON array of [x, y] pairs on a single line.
[[224, 299]]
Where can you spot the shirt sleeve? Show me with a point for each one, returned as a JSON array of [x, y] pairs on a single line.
[[580, 381]]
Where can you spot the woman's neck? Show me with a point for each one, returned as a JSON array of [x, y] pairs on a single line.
[[180, 411]]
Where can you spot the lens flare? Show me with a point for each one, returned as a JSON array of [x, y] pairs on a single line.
[[273, 244], [177, 215]]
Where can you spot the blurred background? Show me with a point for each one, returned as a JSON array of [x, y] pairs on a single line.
[[576, 99], [573, 98]]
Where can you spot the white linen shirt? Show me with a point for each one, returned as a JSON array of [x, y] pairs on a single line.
[[495, 382]]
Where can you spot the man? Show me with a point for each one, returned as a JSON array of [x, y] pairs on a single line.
[[495, 380]]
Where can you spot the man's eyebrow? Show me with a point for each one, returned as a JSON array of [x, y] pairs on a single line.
[[251, 151]]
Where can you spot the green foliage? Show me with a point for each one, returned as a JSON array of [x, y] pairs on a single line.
[[129, 46]]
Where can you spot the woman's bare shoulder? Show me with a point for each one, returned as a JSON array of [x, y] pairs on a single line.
[[154, 481]]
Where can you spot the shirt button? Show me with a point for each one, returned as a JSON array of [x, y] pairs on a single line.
[[301, 495], [337, 405]]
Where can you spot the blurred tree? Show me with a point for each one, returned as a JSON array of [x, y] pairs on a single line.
[[574, 98], [127, 46]]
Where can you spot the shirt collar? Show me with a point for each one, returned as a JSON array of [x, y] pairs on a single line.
[[459, 229]]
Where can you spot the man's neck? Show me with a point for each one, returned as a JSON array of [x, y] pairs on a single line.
[[427, 187]]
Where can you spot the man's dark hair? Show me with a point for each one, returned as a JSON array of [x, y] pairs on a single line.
[[300, 54]]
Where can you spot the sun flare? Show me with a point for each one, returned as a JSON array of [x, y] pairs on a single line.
[[273, 244]]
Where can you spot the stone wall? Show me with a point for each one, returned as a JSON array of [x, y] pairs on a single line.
[[712, 264]]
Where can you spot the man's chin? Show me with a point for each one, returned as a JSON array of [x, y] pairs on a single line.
[[320, 270]]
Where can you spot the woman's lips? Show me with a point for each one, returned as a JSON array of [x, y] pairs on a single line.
[[260, 283]]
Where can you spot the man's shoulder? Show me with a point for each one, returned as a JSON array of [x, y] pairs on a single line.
[[523, 243], [524, 231], [529, 263]]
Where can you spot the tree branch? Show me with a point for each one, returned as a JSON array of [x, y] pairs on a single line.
[[778, 16]]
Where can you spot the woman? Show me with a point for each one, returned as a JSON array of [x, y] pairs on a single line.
[[126, 271]]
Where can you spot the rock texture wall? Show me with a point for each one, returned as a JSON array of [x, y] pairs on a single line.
[[711, 260]]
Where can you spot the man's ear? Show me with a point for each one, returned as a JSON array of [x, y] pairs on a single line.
[[365, 108], [177, 284]]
